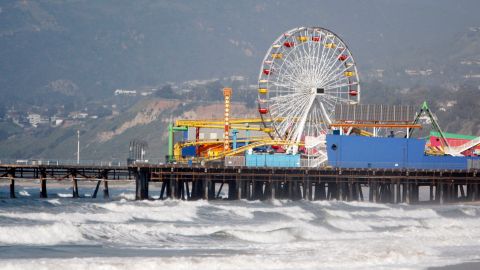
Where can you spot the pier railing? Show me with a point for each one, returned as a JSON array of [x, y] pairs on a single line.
[[64, 162], [83, 163]]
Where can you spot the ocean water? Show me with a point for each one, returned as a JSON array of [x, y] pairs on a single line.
[[65, 233]]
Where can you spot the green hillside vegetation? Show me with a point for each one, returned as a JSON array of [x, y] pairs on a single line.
[[62, 57]]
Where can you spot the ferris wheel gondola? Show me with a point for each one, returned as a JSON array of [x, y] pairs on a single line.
[[305, 73]]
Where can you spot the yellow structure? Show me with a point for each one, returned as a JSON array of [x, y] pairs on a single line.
[[238, 123], [215, 149], [227, 93]]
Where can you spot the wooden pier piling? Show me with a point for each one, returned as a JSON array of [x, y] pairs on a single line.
[[74, 180], [11, 176], [142, 179], [43, 183]]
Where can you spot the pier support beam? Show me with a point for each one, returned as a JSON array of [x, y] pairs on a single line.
[[332, 190], [11, 175], [373, 191], [43, 183], [462, 192], [320, 193], [408, 197], [392, 191], [74, 185], [173, 187], [475, 191], [238, 187], [441, 193], [94, 195], [211, 189], [162, 190], [273, 190], [360, 192], [249, 195], [206, 185], [232, 189], [398, 194], [307, 189], [142, 177], [188, 194], [106, 193], [351, 190]]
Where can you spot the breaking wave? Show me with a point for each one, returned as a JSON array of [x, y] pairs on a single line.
[[277, 234]]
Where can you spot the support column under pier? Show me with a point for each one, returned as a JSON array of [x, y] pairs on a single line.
[[74, 185], [106, 193], [238, 187], [142, 178], [11, 175], [43, 183], [398, 192], [441, 193], [320, 193]]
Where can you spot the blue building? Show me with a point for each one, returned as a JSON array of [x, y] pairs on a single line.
[[380, 152]]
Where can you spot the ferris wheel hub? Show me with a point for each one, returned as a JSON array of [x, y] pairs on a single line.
[[319, 91]]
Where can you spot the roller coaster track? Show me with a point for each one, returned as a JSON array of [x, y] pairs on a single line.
[[457, 150], [210, 142], [191, 123], [250, 146]]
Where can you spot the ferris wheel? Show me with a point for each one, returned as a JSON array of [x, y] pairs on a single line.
[[305, 73]]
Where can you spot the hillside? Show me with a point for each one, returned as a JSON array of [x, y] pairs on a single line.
[[147, 119], [55, 51], [107, 126], [119, 70]]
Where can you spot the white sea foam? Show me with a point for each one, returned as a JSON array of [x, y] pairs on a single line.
[[385, 260], [242, 235], [50, 234], [294, 212], [24, 193], [399, 213], [54, 201], [469, 211], [338, 213]]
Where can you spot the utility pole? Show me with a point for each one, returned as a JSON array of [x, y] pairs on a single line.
[[78, 146]]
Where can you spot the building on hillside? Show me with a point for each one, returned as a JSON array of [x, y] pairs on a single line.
[[123, 92], [56, 121], [36, 119], [78, 115]]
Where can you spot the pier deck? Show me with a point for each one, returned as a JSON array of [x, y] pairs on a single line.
[[192, 183]]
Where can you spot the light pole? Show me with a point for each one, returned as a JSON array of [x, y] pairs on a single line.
[[78, 146]]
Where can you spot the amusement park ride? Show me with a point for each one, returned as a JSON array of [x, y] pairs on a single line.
[[306, 74]]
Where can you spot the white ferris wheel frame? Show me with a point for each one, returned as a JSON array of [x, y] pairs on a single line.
[[300, 84]]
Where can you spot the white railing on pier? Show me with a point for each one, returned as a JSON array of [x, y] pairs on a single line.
[[66, 162]]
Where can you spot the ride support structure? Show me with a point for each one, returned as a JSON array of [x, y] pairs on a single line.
[[227, 93]]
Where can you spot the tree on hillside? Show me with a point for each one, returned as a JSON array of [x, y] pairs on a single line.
[[166, 92]]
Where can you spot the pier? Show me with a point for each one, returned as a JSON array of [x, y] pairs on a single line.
[[234, 183]]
